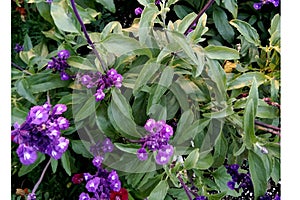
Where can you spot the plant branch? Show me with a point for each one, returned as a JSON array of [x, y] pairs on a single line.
[[207, 5], [267, 125], [20, 68], [41, 177], [87, 35], [186, 189]]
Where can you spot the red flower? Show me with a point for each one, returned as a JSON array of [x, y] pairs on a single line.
[[121, 195], [77, 178]]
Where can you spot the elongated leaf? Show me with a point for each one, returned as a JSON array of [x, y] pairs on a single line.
[[160, 191], [205, 161], [246, 80], [220, 151], [185, 121], [221, 53], [81, 147], [120, 114], [28, 168], [44, 10], [103, 122], [108, 4], [249, 127], [253, 94], [258, 174], [54, 164], [220, 114], [231, 6], [50, 82], [145, 75], [65, 159], [192, 159], [222, 25], [149, 14], [80, 63], [86, 110], [128, 148], [24, 90], [59, 12], [27, 43], [247, 31]]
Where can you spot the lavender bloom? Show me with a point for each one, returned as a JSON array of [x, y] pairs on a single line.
[[200, 198], [157, 2], [63, 54], [97, 161], [162, 158], [38, 115], [18, 48], [60, 64], [63, 123], [26, 154], [93, 184], [107, 145], [64, 76], [99, 95], [142, 154], [231, 185], [31, 196], [138, 11], [59, 109], [259, 5], [84, 196], [49, 1], [116, 186]]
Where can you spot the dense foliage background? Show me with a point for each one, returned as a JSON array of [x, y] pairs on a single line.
[[217, 86]]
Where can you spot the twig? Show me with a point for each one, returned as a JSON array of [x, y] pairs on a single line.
[[20, 68], [268, 130], [42, 176], [186, 189], [209, 3], [87, 35], [267, 125]]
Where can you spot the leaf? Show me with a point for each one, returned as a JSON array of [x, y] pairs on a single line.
[[120, 114], [220, 150], [220, 114], [103, 123], [246, 80], [108, 4], [148, 16], [45, 82], [253, 94], [185, 121], [23, 89], [28, 168], [120, 45], [128, 148], [81, 63], [27, 45], [247, 31], [221, 53], [148, 70], [222, 25], [81, 147], [182, 11], [192, 159], [86, 110], [60, 14], [65, 159], [54, 164], [160, 191], [249, 127], [231, 6], [205, 161], [258, 174], [44, 10]]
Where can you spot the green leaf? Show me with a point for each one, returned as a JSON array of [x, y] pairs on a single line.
[[23, 89], [86, 110], [103, 122], [81, 63], [274, 31], [65, 159], [18, 115], [148, 70], [81, 147], [60, 14], [120, 114], [222, 25], [247, 31], [128, 148], [205, 160], [221, 53], [148, 16], [182, 11], [44, 10], [28, 168], [231, 6], [246, 80], [253, 94], [249, 126], [220, 150], [27, 45], [45, 82], [192, 159], [258, 174], [160, 191], [120, 45], [185, 121], [108, 4], [220, 114], [54, 164]]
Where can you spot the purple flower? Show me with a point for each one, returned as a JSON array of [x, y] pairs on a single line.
[[64, 76], [142, 154], [277, 197], [84, 196], [63, 54], [162, 158], [167, 149], [231, 185], [257, 6], [97, 161], [138, 11], [59, 109], [31, 196], [62, 145], [26, 154], [150, 125], [157, 2], [113, 176], [63, 123], [93, 184], [99, 95], [117, 80], [200, 198], [87, 176], [38, 115], [116, 186], [18, 48], [107, 145], [85, 79], [53, 133]]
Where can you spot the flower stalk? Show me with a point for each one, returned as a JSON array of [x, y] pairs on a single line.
[[41, 177], [87, 35], [185, 187]]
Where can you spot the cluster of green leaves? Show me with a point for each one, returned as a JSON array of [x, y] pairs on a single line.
[[193, 81]]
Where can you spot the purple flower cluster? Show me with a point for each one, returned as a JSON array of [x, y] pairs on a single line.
[[258, 5], [156, 140], [243, 180], [103, 182], [269, 197], [139, 10], [60, 64], [41, 132], [101, 81], [200, 198], [18, 48]]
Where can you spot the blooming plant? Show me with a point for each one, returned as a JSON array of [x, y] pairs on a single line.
[[174, 100]]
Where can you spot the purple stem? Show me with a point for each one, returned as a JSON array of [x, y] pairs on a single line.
[[209, 3], [42, 176], [87, 35], [20, 68], [185, 187]]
